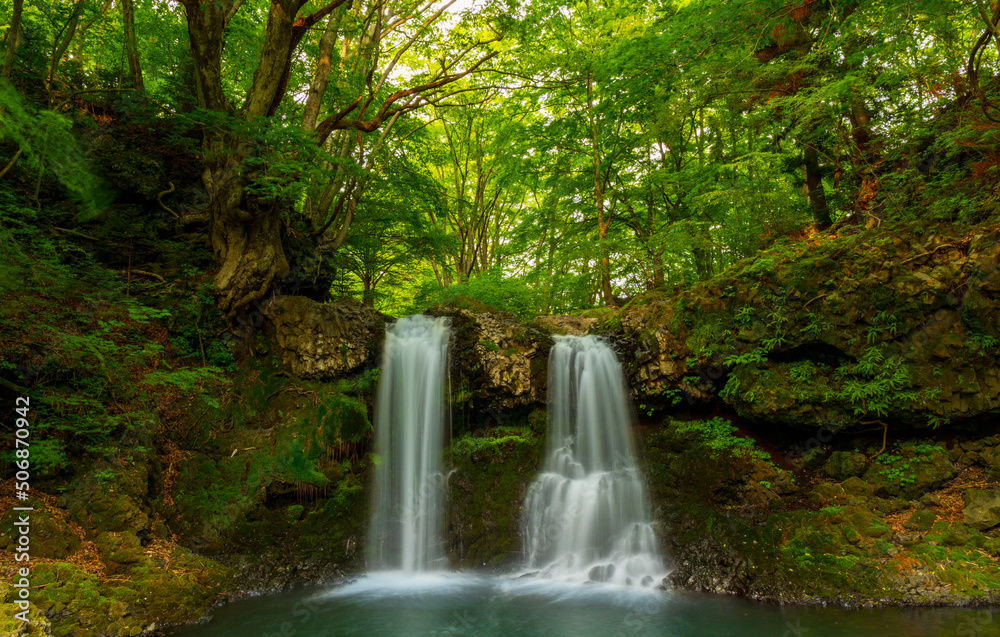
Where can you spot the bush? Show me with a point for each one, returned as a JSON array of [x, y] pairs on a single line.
[[718, 435], [492, 289]]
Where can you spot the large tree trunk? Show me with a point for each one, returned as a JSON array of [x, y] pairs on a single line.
[[246, 237], [245, 232], [131, 49]]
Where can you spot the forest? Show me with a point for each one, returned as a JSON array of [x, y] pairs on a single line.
[[782, 215], [552, 157]]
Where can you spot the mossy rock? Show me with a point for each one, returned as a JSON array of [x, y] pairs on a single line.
[[887, 506], [10, 625], [487, 490], [211, 496], [50, 536], [79, 604], [845, 464], [825, 493], [108, 497], [921, 520], [982, 508], [857, 487], [119, 551], [910, 471]]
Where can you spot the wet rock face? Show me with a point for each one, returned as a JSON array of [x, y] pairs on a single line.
[[498, 363], [324, 340]]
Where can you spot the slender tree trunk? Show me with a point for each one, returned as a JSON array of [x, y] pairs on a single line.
[[321, 76], [865, 156], [814, 181], [13, 38], [658, 271], [131, 48], [604, 266], [62, 42]]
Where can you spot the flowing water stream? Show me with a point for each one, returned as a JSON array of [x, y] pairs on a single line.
[[410, 420], [587, 514]]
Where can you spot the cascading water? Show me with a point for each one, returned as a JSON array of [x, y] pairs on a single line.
[[587, 515], [410, 415]]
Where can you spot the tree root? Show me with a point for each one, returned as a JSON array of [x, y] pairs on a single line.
[[159, 199]]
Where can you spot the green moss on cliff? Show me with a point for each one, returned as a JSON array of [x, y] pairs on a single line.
[[489, 476]]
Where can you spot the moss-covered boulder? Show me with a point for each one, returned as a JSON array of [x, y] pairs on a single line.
[[982, 508], [113, 495], [168, 586], [909, 470], [921, 520], [51, 535], [13, 626], [857, 487], [119, 551], [842, 465]]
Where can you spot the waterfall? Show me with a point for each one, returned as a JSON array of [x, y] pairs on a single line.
[[587, 515], [410, 415]]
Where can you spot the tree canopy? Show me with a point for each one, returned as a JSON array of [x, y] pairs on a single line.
[[576, 153]]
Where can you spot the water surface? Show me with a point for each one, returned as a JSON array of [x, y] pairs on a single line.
[[391, 605]]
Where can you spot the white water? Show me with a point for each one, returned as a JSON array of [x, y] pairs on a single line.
[[587, 515], [410, 415]]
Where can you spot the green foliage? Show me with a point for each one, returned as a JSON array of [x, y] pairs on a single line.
[[295, 463], [874, 384], [494, 442], [189, 379], [718, 435], [896, 469], [49, 147], [344, 418]]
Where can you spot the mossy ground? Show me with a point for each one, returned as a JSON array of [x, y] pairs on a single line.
[[732, 525]]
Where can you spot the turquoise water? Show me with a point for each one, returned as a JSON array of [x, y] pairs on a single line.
[[388, 605]]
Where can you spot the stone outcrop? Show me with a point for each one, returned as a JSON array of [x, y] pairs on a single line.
[[498, 363], [861, 326], [324, 340], [982, 508]]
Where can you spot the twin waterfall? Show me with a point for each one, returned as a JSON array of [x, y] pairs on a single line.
[[586, 517], [410, 412]]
